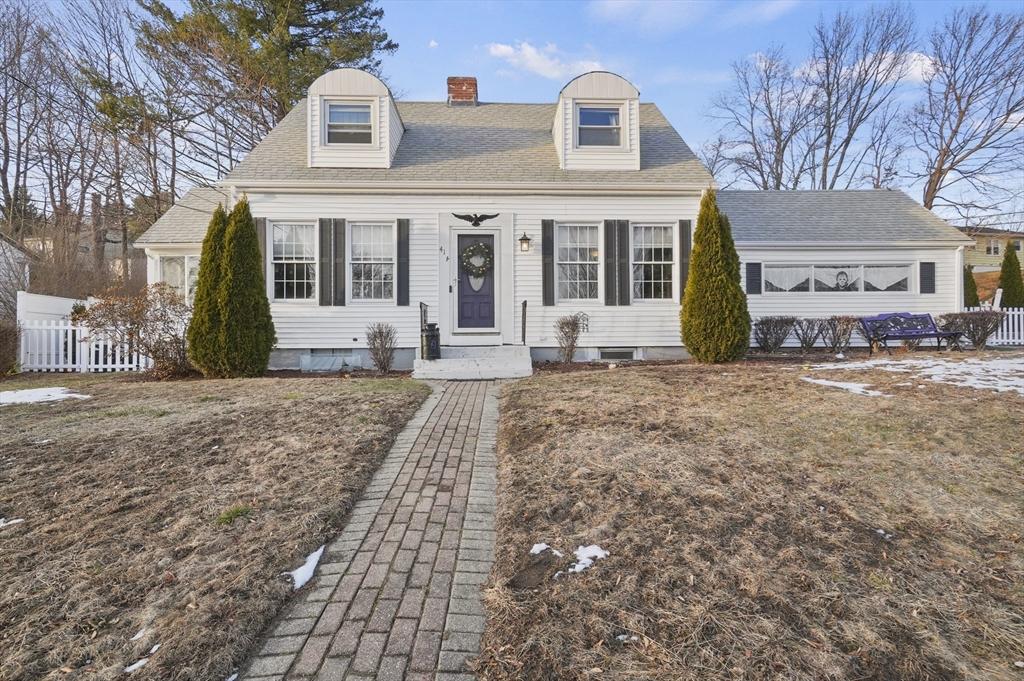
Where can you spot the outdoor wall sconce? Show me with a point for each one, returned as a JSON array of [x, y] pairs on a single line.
[[524, 243]]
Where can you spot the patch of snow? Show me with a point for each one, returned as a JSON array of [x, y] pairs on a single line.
[[855, 388], [138, 634], [139, 664], [233, 677], [585, 557], [1019, 664], [883, 534], [42, 442], [840, 356], [4, 522], [34, 395], [626, 637], [542, 547], [1002, 374], [154, 648], [304, 573]]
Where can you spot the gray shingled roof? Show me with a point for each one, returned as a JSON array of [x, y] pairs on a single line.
[[849, 216], [484, 143], [186, 220]]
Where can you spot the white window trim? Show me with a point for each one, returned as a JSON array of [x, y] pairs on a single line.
[[269, 264], [576, 302], [160, 267], [912, 280], [674, 299], [624, 125], [349, 298], [373, 102], [994, 247]]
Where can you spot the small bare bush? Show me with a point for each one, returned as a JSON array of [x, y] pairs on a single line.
[[837, 331], [152, 322], [771, 332], [567, 333], [807, 332], [976, 327], [381, 338], [8, 346]]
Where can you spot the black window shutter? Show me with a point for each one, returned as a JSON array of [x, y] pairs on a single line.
[[753, 278], [622, 258], [685, 245], [927, 277], [326, 235], [338, 270], [611, 279], [547, 249], [402, 294]]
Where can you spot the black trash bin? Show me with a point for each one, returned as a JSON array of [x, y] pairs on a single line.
[[431, 342]]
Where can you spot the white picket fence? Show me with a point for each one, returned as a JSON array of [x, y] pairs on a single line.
[[59, 345], [1012, 330]]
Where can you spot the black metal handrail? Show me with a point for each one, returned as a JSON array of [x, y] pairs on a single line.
[[524, 322], [423, 316]]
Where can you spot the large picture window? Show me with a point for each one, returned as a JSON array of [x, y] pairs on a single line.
[[180, 272], [578, 258], [836, 278], [294, 260], [349, 123], [652, 262], [599, 126], [373, 261]]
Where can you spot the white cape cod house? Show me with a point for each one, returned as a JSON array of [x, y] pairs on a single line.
[[494, 220]]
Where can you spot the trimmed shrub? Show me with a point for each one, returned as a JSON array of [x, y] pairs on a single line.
[[837, 331], [976, 327], [247, 330], [970, 288], [153, 321], [8, 346], [714, 319], [807, 332], [771, 332], [381, 339], [567, 333], [204, 332], [1010, 280]]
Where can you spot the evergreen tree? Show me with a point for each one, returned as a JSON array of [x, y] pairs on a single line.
[[205, 327], [1010, 279], [246, 328], [715, 321], [970, 288]]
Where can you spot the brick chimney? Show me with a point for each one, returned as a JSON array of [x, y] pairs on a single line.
[[461, 91]]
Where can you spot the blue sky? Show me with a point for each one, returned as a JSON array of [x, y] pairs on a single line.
[[678, 53]]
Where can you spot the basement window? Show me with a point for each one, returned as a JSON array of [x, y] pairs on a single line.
[[349, 123]]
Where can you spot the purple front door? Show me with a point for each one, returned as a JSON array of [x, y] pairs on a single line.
[[476, 294]]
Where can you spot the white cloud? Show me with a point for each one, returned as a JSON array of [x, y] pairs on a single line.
[[760, 12], [919, 66], [432, 44], [648, 16], [548, 61]]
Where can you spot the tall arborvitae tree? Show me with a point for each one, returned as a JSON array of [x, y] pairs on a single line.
[[204, 330], [715, 321], [247, 330], [970, 288], [1010, 279]]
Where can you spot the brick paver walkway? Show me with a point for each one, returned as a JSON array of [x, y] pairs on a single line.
[[397, 593]]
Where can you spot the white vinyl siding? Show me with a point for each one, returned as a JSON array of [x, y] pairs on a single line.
[[578, 254], [293, 261], [372, 261]]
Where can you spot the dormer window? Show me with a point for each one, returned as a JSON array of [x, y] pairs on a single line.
[[349, 123], [598, 126]]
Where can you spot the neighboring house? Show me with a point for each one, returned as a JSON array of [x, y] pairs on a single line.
[[989, 246], [368, 207], [14, 275]]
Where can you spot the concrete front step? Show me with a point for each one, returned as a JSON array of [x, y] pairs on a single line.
[[476, 363]]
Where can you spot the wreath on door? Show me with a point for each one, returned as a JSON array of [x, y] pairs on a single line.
[[480, 251]]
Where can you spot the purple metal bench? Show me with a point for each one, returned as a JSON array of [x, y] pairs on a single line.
[[883, 328]]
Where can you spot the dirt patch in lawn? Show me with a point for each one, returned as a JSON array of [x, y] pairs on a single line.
[[758, 527], [172, 509]]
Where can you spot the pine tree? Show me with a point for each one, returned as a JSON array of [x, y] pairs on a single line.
[[715, 321], [970, 288], [247, 330], [204, 329], [1010, 279]]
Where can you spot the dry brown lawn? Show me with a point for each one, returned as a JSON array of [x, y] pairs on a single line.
[[759, 527], [172, 508]]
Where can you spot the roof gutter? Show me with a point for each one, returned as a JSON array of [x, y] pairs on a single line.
[[469, 188], [850, 244]]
